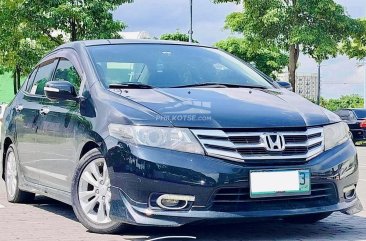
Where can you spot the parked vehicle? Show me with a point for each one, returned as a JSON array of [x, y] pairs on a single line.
[[165, 133], [285, 85], [356, 121]]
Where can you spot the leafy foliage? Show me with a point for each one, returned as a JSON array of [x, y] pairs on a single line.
[[268, 58], [355, 47], [29, 29], [347, 101], [75, 19], [315, 27], [20, 46], [177, 36]]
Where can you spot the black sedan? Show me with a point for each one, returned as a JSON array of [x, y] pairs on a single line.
[[356, 120], [156, 133]]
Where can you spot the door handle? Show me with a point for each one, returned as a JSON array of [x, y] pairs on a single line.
[[19, 108], [44, 110]]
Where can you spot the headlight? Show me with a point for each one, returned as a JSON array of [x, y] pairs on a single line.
[[178, 139], [335, 135]]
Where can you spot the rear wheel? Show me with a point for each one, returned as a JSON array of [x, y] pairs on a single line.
[[307, 218], [91, 194], [14, 194]]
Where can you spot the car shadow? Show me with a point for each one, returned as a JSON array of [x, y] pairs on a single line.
[[336, 227], [54, 206]]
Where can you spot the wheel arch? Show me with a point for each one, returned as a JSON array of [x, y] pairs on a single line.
[[88, 146], [7, 142]]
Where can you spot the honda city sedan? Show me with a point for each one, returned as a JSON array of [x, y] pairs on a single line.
[[155, 133]]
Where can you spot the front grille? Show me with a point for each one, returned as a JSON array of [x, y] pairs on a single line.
[[238, 199], [253, 147]]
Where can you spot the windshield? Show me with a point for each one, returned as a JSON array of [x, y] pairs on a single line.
[[165, 66], [360, 113]]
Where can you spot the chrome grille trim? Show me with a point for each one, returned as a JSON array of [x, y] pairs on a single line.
[[236, 146]]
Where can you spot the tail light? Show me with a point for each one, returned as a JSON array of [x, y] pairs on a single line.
[[363, 124]]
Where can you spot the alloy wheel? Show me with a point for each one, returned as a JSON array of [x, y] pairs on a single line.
[[11, 174], [94, 191]]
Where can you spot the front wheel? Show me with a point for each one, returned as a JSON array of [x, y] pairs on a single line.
[[91, 194], [307, 218]]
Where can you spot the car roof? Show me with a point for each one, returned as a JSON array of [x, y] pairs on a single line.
[[98, 42]]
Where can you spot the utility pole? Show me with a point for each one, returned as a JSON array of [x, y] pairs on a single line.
[[363, 64], [191, 22], [318, 97]]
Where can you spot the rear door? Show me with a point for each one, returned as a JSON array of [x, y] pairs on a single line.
[[27, 120], [58, 128]]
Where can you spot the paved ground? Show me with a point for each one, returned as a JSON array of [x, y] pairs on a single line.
[[50, 220]]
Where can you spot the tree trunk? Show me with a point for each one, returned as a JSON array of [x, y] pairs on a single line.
[[15, 82], [292, 65], [18, 70], [73, 30], [16, 79]]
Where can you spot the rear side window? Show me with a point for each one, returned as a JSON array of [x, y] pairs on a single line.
[[43, 75], [31, 78], [66, 71]]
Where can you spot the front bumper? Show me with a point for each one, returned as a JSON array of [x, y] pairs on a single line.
[[138, 172]]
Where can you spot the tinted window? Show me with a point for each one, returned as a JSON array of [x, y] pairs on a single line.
[[30, 79], [66, 71], [170, 65], [42, 77], [360, 113]]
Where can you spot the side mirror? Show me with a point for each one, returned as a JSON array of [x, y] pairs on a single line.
[[60, 90], [285, 85]]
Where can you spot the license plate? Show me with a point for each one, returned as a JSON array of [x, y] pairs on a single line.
[[275, 183]]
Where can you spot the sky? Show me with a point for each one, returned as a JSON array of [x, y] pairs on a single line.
[[340, 76]]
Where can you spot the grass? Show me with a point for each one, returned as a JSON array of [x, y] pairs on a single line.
[[6, 88]]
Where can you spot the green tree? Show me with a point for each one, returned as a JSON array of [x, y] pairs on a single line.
[[20, 47], [314, 27], [75, 19], [268, 58], [355, 47], [177, 36], [29, 29], [346, 101]]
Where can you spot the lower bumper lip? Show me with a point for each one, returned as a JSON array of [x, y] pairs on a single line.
[[146, 216]]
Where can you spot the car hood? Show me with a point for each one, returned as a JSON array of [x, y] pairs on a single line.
[[230, 107]]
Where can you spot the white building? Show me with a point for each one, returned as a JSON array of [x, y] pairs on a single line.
[[306, 84], [135, 35]]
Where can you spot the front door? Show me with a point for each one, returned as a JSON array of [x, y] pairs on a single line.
[[57, 133]]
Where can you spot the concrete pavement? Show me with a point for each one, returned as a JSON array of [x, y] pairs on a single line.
[[46, 220]]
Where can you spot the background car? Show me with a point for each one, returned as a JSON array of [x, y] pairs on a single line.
[[285, 85], [356, 120]]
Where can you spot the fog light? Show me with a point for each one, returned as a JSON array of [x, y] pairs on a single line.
[[170, 202], [174, 202], [349, 192]]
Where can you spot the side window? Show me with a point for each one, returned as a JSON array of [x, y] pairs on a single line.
[[66, 71], [30, 79], [43, 75]]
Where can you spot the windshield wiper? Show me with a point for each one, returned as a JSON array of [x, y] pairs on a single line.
[[130, 85], [220, 85]]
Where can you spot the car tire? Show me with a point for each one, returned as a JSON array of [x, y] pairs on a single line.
[[14, 194], [307, 218], [81, 202]]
